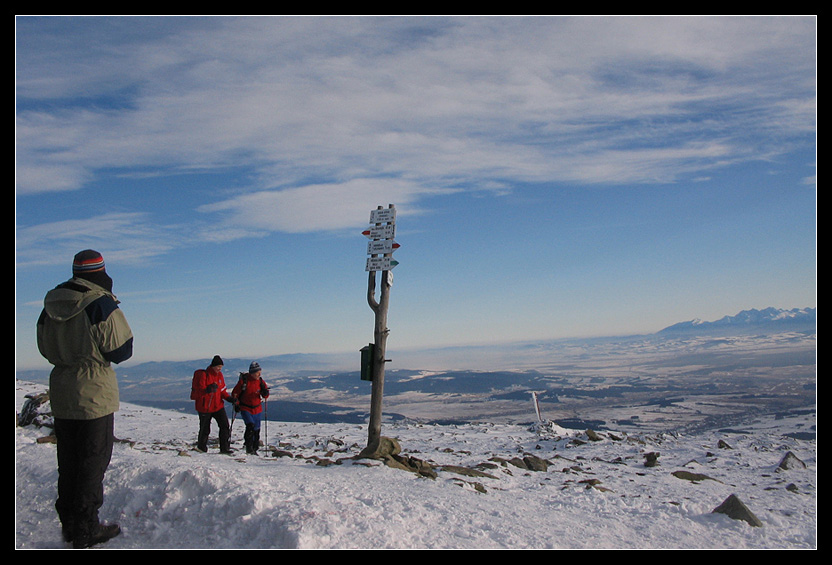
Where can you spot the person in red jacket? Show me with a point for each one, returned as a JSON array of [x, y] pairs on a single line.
[[248, 393], [208, 391]]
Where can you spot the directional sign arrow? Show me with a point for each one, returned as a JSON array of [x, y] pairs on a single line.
[[380, 264], [381, 246], [381, 232]]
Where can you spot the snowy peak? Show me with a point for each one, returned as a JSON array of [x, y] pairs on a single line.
[[773, 318], [770, 315]]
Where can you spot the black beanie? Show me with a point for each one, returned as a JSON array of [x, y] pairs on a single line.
[[89, 265], [87, 261], [217, 361]]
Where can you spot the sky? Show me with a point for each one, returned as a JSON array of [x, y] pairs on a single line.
[[553, 176]]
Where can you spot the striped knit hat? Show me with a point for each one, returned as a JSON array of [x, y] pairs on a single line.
[[254, 367], [87, 261]]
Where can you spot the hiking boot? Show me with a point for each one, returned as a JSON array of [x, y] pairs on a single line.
[[99, 533]]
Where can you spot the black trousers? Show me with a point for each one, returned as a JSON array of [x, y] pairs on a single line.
[[205, 429], [84, 451]]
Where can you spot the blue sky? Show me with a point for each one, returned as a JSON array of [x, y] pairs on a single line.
[[553, 176]]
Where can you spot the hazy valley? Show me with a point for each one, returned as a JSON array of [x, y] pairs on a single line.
[[691, 375]]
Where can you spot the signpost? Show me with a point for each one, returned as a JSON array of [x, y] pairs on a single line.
[[381, 246], [381, 264], [381, 250], [381, 232], [382, 215]]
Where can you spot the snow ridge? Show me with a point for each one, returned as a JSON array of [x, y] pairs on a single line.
[[314, 493]]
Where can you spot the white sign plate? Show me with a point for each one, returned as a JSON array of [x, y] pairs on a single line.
[[381, 232], [380, 263], [381, 246], [383, 215]]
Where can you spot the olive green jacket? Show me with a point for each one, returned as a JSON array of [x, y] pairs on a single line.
[[81, 331]]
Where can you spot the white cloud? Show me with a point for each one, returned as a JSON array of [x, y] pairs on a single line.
[[429, 101], [119, 237], [313, 207]]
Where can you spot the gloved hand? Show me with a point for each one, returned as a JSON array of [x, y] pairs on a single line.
[[211, 388]]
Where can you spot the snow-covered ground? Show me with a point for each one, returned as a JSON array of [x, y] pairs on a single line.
[[595, 494]]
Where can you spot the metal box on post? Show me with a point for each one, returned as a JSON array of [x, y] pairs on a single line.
[[367, 362]]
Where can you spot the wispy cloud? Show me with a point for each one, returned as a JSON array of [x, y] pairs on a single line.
[[310, 208], [123, 237], [318, 108]]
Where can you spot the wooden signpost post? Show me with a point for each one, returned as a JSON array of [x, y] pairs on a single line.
[[380, 249]]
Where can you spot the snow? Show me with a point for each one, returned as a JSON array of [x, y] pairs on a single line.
[[165, 495]]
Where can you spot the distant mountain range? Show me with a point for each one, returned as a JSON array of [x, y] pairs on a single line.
[[755, 320], [161, 374], [327, 387]]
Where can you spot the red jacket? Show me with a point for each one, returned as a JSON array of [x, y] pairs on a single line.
[[208, 390], [249, 390]]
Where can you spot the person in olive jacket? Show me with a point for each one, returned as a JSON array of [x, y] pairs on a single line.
[[208, 393], [248, 392], [81, 332]]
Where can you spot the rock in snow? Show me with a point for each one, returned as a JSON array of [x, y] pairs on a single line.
[[492, 486]]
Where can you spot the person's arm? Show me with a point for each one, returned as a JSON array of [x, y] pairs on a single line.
[[110, 330]]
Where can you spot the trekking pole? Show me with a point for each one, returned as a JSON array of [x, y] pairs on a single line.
[[266, 409]]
